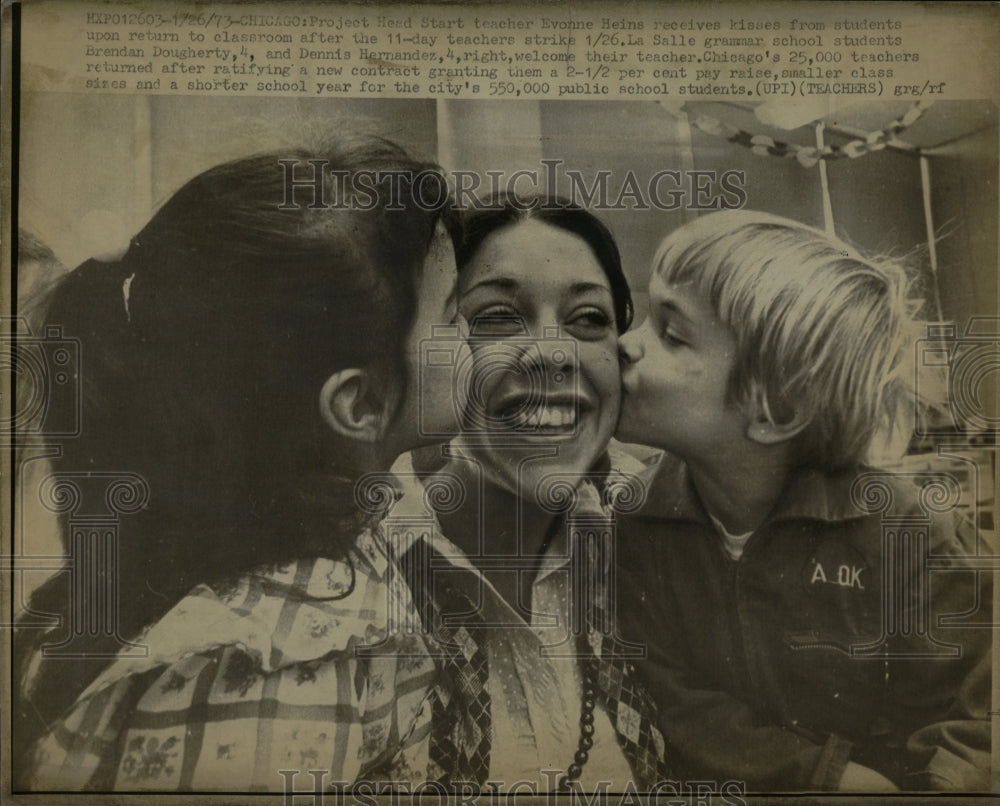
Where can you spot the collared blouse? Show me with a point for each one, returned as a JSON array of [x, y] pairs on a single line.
[[326, 665]]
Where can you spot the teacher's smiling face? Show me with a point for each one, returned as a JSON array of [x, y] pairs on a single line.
[[545, 380]]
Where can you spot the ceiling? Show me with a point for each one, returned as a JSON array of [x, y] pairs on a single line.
[[941, 123]]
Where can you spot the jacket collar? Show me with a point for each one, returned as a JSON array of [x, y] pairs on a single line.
[[809, 494]]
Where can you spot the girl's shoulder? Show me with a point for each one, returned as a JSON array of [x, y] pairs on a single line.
[[278, 616], [282, 636]]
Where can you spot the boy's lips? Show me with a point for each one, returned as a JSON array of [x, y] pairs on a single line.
[[629, 382]]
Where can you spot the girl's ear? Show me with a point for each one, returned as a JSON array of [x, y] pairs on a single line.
[[767, 427], [350, 407]]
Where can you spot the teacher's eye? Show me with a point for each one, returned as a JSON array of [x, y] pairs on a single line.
[[499, 320], [590, 321]]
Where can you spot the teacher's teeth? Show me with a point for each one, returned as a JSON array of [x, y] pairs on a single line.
[[560, 416], [556, 416]]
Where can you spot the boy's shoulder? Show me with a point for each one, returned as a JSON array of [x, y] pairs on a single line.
[[877, 504], [934, 495], [855, 492], [814, 493]]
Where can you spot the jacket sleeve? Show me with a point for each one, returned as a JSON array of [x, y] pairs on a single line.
[[712, 734], [717, 737], [949, 697]]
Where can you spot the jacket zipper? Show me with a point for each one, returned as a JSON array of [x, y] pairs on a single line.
[[746, 684]]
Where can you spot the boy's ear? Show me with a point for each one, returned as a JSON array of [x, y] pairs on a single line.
[[348, 406], [773, 427]]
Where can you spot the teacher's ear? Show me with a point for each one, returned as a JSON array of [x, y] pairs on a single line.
[[350, 406]]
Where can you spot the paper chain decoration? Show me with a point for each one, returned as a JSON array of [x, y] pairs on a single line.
[[810, 155]]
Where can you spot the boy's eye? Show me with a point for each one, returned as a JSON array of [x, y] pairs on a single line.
[[671, 337]]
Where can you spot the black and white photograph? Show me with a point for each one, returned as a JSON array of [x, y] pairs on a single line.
[[389, 417]]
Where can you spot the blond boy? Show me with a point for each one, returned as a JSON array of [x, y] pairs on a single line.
[[773, 360]]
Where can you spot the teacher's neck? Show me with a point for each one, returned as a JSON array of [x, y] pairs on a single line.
[[502, 524]]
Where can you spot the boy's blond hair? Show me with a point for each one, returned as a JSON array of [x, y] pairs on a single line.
[[821, 331]]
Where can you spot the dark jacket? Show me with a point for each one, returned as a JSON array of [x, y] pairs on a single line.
[[820, 644]]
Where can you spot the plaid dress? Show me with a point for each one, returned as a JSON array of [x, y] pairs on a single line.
[[327, 666]]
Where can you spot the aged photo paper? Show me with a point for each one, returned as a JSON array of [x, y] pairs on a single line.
[[722, 529]]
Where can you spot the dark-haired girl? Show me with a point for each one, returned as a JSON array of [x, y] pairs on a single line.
[[245, 363]]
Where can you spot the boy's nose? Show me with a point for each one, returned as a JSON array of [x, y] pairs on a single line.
[[630, 347]]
